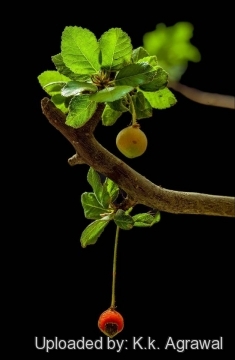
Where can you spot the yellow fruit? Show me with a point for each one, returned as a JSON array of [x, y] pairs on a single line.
[[131, 141]]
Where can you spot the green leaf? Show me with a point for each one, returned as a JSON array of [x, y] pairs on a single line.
[[49, 77], [161, 99], [81, 109], [93, 179], [67, 101], [54, 87], [118, 105], [138, 54], [59, 102], [58, 99], [110, 116], [75, 87], [92, 232], [135, 74], [146, 219], [151, 60], [172, 46], [159, 82], [92, 207], [143, 109], [104, 193], [63, 69], [110, 192], [116, 49], [80, 50], [123, 220], [111, 93]]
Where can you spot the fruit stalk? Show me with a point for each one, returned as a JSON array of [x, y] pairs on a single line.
[[114, 268], [132, 108]]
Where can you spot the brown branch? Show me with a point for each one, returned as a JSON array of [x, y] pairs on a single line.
[[139, 189], [75, 160], [202, 97]]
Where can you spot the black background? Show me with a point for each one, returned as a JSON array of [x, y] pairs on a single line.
[[174, 279]]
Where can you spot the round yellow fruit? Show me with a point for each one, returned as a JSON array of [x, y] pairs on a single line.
[[131, 141]]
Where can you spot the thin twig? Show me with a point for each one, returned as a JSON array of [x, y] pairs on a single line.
[[75, 160], [202, 97]]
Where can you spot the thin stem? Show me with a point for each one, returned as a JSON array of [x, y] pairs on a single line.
[[203, 97], [114, 268], [132, 110]]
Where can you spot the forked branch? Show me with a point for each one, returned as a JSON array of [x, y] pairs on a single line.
[[139, 189]]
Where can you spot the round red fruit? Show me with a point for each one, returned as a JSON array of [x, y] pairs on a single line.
[[111, 322]]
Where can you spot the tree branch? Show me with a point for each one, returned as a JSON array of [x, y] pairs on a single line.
[[204, 98], [75, 160], [139, 189]]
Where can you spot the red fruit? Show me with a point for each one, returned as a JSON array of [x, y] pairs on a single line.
[[111, 322]]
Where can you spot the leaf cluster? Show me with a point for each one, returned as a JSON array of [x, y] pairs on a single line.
[[173, 47], [99, 206], [108, 70]]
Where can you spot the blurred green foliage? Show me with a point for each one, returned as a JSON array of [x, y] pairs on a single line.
[[172, 47]]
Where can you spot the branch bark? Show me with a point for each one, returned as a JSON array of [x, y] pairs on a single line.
[[203, 97], [139, 189]]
